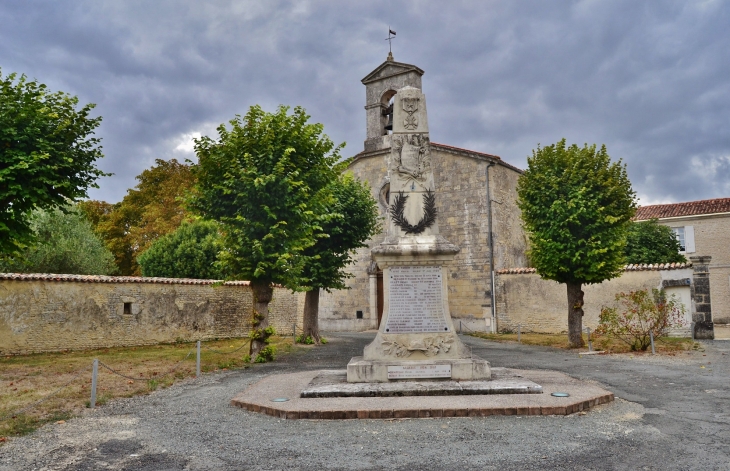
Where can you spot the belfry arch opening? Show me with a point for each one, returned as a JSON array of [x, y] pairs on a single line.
[[386, 103]]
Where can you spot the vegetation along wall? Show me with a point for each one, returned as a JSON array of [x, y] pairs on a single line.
[[43, 313], [537, 305]]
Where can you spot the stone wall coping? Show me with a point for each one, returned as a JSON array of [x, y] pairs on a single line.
[[631, 267], [113, 279]]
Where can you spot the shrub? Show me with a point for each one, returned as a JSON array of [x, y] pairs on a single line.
[[306, 340], [268, 353], [638, 314]]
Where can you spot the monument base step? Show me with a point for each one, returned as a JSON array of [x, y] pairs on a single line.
[[385, 371], [333, 383]]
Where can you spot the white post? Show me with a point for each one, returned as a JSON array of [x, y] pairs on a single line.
[[197, 361], [94, 373], [590, 345], [651, 337]]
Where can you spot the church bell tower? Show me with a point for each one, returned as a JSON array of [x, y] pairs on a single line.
[[380, 86]]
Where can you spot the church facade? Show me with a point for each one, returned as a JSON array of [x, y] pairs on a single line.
[[474, 191]]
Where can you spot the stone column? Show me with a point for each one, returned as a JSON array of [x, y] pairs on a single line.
[[701, 304], [373, 298]]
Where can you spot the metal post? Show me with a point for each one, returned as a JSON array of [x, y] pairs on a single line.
[[294, 330], [590, 345], [490, 242], [197, 361], [519, 333], [460, 327], [651, 337], [94, 373]]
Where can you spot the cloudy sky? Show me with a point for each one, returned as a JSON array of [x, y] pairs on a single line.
[[651, 80]]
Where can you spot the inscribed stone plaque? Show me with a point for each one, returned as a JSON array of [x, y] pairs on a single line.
[[414, 301], [419, 371]]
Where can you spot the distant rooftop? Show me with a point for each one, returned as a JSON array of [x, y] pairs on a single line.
[[690, 208]]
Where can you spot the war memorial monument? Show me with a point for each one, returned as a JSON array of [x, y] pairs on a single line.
[[417, 365]]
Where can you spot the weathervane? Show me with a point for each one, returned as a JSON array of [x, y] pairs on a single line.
[[391, 36]]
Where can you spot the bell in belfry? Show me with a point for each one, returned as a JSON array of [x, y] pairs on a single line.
[[389, 113]]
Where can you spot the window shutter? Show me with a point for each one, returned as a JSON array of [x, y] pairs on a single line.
[[689, 239]]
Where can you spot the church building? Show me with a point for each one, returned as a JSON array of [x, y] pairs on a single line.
[[474, 192]]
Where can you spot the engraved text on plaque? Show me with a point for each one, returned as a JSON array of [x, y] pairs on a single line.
[[419, 371], [414, 301]]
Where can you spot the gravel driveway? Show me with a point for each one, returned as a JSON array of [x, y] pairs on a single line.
[[670, 413]]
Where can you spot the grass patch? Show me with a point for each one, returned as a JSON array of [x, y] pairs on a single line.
[[664, 345], [25, 379]]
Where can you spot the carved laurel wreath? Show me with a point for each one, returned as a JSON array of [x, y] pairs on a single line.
[[429, 213]]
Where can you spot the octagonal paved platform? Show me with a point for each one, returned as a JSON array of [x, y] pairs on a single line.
[[259, 397]]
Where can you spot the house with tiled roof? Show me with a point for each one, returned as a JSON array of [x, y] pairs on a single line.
[[703, 230]]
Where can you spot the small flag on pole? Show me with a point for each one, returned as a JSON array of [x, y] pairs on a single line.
[[392, 32]]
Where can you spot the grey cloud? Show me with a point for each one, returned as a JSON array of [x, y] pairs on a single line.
[[647, 79]]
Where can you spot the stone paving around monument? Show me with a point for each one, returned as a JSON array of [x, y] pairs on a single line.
[[670, 413]]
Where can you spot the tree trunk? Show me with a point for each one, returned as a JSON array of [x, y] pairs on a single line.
[[311, 315], [262, 294], [575, 315]]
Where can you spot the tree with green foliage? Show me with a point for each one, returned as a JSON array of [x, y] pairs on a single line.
[[651, 242], [64, 243], [153, 208], [47, 155], [354, 220], [265, 180], [576, 206], [189, 252]]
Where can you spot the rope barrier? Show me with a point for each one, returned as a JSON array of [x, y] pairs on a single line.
[[45, 398], [151, 377], [112, 370], [248, 341]]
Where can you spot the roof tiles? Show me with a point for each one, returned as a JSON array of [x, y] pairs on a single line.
[[632, 267], [690, 208], [112, 279]]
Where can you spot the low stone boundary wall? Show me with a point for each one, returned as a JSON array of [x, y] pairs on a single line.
[[44, 313], [537, 305]]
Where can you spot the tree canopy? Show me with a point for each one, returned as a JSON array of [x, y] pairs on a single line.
[[265, 181], [47, 154], [354, 219], [64, 243], [153, 208], [651, 242], [189, 252], [576, 206]]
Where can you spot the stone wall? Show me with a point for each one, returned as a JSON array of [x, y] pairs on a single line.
[[461, 201], [712, 236], [41, 313], [537, 305]]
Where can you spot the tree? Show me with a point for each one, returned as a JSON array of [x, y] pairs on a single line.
[[576, 205], [65, 243], [265, 180], [189, 252], [153, 208], [47, 156], [650, 242], [354, 220]]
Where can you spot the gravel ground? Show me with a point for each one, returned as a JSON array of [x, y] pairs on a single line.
[[670, 413]]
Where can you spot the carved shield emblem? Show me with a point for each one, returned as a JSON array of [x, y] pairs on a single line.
[[410, 105]]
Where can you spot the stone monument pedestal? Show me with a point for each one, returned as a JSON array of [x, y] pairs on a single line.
[[360, 370], [416, 339]]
